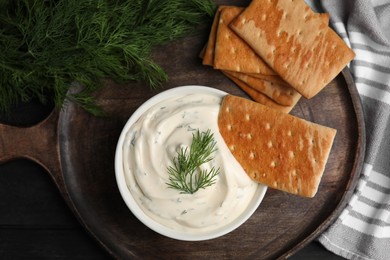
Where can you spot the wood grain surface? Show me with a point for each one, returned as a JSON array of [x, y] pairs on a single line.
[[78, 151]]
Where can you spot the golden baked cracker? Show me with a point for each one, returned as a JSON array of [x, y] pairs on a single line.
[[258, 96], [274, 148], [231, 52], [208, 52], [295, 42], [276, 78], [280, 93], [271, 78]]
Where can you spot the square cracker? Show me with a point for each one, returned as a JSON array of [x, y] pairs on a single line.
[[274, 148], [231, 52], [280, 93], [257, 95], [295, 42]]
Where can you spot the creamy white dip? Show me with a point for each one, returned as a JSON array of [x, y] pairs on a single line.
[[149, 148]]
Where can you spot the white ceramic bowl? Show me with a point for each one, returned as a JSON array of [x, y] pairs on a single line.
[[132, 204]]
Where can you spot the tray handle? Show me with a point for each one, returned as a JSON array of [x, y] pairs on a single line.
[[38, 143]]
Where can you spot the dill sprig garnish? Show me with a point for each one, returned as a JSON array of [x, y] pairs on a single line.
[[45, 46], [185, 174]]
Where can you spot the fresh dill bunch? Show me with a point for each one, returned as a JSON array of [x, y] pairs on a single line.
[[45, 46], [185, 175]]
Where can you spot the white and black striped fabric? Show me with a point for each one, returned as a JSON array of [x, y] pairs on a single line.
[[362, 231]]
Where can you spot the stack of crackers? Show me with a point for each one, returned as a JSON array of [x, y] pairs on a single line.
[[276, 51]]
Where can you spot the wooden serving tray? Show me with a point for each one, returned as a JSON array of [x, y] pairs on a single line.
[[78, 151]]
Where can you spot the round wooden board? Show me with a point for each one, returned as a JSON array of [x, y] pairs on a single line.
[[78, 151], [282, 224]]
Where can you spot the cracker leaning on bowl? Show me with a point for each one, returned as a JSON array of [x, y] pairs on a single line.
[[274, 148]]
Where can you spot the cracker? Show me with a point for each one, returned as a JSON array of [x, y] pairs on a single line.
[[208, 51], [295, 42], [231, 52], [271, 78], [280, 93], [258, 96], [276, 149]]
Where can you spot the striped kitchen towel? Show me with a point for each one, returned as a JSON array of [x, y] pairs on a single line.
[[362, 231]]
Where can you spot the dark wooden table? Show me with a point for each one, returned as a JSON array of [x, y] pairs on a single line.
[[35, 222]]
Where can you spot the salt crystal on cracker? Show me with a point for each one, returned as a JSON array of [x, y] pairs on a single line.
[[274, 148]]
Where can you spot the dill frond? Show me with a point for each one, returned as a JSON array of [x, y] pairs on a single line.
[[185, 175], [45, 46]]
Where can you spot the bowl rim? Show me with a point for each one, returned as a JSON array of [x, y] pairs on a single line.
[[131, 202]]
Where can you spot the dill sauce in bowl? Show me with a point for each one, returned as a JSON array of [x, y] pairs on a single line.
[[151, 139]]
